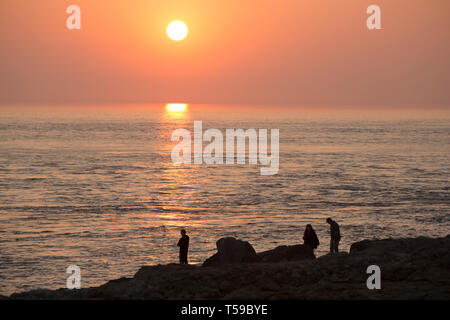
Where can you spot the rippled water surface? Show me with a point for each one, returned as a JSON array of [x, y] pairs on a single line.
[[95, 186]]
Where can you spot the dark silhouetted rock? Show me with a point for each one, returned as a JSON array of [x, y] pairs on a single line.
[[410, 269], [231, 250], [399, 248], [287, 253]]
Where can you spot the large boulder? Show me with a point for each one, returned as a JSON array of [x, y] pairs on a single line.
[[231, 250], [420, 247], [287, 253]]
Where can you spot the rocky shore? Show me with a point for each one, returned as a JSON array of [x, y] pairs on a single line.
[[416, 268]]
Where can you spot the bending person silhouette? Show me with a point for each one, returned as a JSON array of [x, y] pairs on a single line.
[[335, 235], [310, 237], [183, 243]]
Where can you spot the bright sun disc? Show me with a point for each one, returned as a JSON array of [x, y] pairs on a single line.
[[177, 30], [176, 107]]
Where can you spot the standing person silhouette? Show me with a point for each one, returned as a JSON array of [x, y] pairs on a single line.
[[310, 237], [335, 235], [183, 243]]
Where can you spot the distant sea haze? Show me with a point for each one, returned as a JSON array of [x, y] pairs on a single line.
[[95, 186]]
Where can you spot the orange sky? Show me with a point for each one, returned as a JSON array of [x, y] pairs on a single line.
[[312, 52]]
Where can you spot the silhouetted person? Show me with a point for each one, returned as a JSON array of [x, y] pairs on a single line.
[[310, 237], [335, 235], [183, 243]]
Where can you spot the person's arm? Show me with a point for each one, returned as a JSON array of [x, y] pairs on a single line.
[[333, 231], [179, 243], [339, 232]]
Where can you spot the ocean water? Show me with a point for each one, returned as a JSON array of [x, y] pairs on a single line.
[[95, 186]]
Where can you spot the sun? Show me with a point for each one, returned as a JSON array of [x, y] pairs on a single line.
[[176, 107], [177, 30]]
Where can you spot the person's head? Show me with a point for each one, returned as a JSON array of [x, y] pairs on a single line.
[[308, 227], [329, 220], [183, 232]]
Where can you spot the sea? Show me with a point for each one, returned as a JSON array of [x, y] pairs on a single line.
[[95, 185]]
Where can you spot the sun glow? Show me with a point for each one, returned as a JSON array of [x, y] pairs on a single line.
[[177, 30], [176, 107]]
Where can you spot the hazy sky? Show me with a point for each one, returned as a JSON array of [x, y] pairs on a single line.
[[305, 52]]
